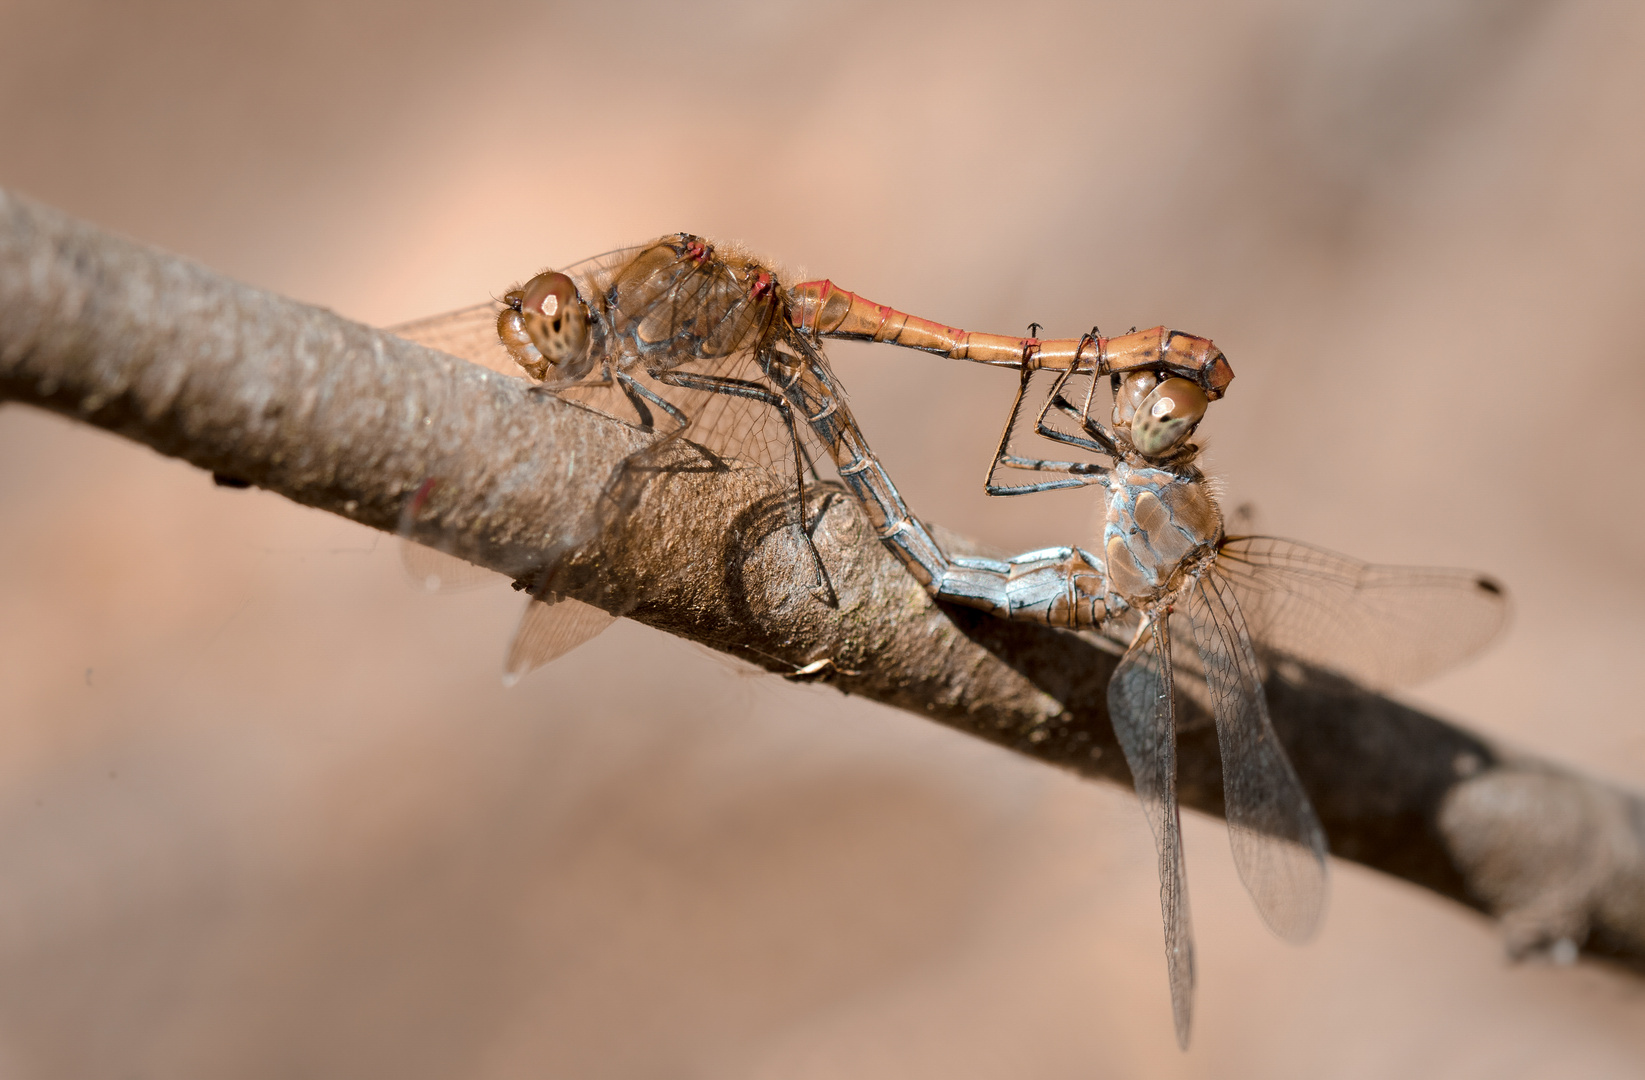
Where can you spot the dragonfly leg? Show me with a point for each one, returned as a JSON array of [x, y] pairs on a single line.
[[725, 384], [638, 395], [1079, 473], [624, 487], [1041, 485], [1099, 441]]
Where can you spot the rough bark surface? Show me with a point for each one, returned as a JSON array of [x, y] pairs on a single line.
[[352, 420]]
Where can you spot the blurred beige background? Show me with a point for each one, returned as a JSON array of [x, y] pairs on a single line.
[[265, 811]]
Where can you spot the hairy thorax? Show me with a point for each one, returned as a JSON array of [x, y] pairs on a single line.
[[1161, 528]]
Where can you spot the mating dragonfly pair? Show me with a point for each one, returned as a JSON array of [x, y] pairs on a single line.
[[688, 341]]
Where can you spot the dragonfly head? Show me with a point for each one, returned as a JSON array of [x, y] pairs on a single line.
[[1158, 414], [544, 327]]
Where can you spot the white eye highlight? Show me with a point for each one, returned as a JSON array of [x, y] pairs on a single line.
[[1167, 416]]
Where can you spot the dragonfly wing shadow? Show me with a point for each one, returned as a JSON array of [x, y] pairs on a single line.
[[763, 518]]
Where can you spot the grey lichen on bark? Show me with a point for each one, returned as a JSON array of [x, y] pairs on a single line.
[[351, 420]]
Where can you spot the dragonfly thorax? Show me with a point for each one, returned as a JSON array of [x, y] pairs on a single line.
[[1160, 530]]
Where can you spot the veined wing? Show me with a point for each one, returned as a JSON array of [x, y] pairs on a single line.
[[551, 627], [1279, 846], [439, 571], [468, 333], [1382, 626], [1139, 706]]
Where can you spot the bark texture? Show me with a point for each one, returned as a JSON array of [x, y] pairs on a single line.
[[352, 420]]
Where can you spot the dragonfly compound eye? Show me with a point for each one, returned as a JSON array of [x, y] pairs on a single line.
[[544, 326], [1167, 416], [1133, 388], [555, 317]]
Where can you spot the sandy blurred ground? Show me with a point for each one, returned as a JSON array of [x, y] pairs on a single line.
[[267, 812]]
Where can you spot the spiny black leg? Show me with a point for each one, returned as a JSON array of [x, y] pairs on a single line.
[[637, 403], [1072, 468], [1004, 459], [1030, 489], [824, 589], [1099, 441], [638, 394], [988, 484]]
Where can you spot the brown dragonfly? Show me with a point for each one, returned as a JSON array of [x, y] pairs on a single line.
[[688, 341]]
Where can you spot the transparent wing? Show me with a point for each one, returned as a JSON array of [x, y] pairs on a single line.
[[438, 571], [431, 563], [1382, 626], [1279, 846], [1139, 706], [468, 333], [551, 627]]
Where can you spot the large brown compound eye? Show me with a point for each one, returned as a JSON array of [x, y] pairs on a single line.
[[1167, 416], [555, 317], [1133, 388]]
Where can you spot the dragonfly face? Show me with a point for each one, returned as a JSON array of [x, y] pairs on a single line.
[[544, 327], [1156, 415]]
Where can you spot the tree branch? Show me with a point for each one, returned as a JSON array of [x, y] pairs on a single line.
[[351, 420]]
